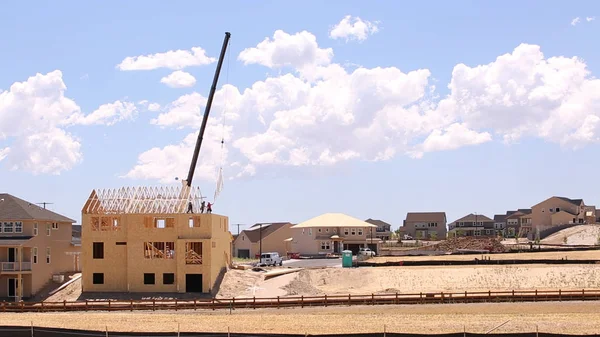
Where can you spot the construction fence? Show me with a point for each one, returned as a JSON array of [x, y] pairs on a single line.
[[15, 331], [308, 301]]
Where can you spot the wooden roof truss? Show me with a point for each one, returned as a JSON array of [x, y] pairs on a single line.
[[143, 200]]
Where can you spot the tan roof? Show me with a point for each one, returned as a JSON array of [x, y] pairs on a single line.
[[263, 230], [13, 208], [333, 220]]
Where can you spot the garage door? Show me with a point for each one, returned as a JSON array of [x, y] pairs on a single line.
[[243, 253]]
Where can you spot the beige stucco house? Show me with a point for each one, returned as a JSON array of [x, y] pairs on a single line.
[[35, 244], [270, 236], [556, 211], [143, 240], [331, 233]]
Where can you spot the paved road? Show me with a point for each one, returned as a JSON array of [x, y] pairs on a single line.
[[313, 263]]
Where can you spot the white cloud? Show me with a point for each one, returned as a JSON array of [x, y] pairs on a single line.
[[589, 19], [106, 114], [353, 28], [575, 21], [31, 115], [172, 59], [153, 107], [179, 79], [336, 115], [34, 115], [298, 51], [4, 152]]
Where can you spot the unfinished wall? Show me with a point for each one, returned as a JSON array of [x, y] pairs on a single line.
[[124, 269]]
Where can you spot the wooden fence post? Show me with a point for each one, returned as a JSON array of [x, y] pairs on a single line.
[[194, 304], [108, 310], [325, 299], [302, 301], [559, 295], [277, 302], [42, 306], [130, 305], [64, 305], [31, 328], [535, 296], [396, 301], [175, 304], [86, 305], [349, 300], [372, 299], [154, 304], [254, 303]]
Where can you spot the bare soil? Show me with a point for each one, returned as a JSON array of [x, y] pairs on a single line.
[[577, 235], [571, 255], [565, 317]]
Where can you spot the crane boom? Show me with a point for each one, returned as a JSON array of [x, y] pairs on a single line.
[[211, 95]]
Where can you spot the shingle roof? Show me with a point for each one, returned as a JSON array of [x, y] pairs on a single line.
[[334, 220], [500, 217], [473, 217], [76, 231], [378, 223], [575, 202], [254, 233], [426, 216], [525, 210], [13, 240], [13, 208]]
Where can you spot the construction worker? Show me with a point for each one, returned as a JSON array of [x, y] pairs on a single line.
[[209, 208], [189, 209], [202, 206]]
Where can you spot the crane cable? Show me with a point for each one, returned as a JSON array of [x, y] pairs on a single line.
[[220, 169]]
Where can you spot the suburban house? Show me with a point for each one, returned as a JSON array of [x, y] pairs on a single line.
[[477, 225], [425, 225], [331, 233], [556, 211], [35, 245], [149, 240], [270, 236], [500, 224], [383, 230], [517, 222]]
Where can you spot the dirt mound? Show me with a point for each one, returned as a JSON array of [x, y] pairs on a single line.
[[298, 287], [491, 244]]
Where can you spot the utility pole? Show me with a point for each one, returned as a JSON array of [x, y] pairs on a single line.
[[260, 243], [45, 203]]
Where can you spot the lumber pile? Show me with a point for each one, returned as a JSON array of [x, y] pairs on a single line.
[[493, 245]]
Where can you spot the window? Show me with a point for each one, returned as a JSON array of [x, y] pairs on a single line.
[[326, 230], [148, 278], [98, 250], [353, 231], [160, 223], [121, 243], [325, 245], [105, 224], [543, 210], [557, 209], [346, 231], [47, 254], [319, 230], [159, 250], [98, 278], [48, 229], [310, 231], [477, 232], [193, 253], [164, 223], [360, 231], [55, 225], [191, 222], [302, 231], [35, 229], [168, 278], [335, 231], [34, 253], [8, 227], [18, 227]]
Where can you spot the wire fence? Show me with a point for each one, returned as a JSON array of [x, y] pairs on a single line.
[[20, 331], [308, 301]]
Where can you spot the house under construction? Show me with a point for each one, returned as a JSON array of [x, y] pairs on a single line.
[[143, 240], [150, 240]]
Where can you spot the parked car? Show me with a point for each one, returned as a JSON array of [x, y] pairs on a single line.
[[366, 251], [271, 259], [408, 237]]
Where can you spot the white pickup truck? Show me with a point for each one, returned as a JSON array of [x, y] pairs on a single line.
[[366, 252]]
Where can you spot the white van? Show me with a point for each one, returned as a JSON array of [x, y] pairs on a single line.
[[271, 259]]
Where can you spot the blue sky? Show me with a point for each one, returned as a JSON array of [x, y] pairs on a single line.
[[458, 149]]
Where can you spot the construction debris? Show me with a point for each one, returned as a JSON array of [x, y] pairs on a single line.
[[279, 272], [492, 245]]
